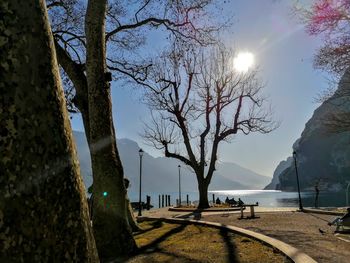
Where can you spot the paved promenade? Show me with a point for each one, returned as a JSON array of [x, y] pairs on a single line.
[[306, 231]]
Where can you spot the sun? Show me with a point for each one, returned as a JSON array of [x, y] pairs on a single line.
[[243, 61]]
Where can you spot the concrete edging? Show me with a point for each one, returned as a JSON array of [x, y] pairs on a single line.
[[323, 212], [212, 209], [291, 252]]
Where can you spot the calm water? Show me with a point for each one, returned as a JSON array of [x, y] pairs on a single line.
[[269, 198]]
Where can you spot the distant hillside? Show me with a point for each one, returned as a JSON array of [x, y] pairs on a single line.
[[161, 174], [322, 156]]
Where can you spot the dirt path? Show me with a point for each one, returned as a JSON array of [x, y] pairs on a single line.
[[300, 230]]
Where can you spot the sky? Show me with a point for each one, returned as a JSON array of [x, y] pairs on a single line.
[[283, 52]]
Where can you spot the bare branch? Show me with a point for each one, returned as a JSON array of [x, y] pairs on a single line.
[[214, 100]]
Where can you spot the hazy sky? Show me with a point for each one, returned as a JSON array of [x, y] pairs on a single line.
[[284, 54]]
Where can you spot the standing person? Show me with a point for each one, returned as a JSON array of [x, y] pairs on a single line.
[[130, 214], [317, 191]]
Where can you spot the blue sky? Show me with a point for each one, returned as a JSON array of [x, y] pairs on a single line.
[[284, 54]]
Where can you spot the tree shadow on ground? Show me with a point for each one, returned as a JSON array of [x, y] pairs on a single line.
[[197, 215], [230, 246], [153, 246], [155, 225]]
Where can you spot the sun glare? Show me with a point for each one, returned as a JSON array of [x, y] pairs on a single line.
[[243, 61]]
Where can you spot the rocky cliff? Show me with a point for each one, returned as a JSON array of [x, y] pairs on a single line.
[[323, 152], [281, 167]]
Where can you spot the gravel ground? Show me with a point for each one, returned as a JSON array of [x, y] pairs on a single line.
[[301, 230]]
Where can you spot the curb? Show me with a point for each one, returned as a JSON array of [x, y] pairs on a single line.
[[229, 209], [323, 212], [291, 252]]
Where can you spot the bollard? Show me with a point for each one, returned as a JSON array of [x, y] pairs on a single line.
[[213, 199], [148, 205], [159, 200], [187, 200], [162, 200], [166, 201], [169, 200]]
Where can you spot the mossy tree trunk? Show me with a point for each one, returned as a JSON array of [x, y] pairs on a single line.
[[43, 208], [110, 222]]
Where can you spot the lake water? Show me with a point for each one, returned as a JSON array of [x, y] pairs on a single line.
[[268, 198]]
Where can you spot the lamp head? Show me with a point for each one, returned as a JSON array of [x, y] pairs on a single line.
[[140, 152], [179, 166], [294, 154]]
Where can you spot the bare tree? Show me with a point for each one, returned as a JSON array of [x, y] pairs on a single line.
[[43, 208], [98, 37], [331, 21], [197, 102]]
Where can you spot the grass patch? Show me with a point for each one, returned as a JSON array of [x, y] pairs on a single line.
[[165, 242]]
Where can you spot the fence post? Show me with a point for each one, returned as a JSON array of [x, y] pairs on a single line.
[[162, 200], [187, 201], [169, 200], [159, 200]]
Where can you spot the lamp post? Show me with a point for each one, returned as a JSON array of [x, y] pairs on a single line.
[[179, 166], [296, 172], [140, 204]]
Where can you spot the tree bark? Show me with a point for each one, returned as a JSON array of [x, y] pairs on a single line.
[[203, 193], [43, 209], [110, 222], [77, 76]]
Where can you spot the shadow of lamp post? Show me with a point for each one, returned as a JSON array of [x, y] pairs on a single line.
[[179, 166], [296, 172], [140, 204]]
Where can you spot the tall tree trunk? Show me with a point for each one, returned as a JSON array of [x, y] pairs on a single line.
[[203, 193], [78, 77], [110, 223], [43, 208]]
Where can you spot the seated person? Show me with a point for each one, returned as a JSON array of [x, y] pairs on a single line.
[[227, 201], [218, 201], [339, 220], [233, 201], [240, 202]]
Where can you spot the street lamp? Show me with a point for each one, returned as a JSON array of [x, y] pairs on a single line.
[[140, 204], [296, 172], [179, 166]]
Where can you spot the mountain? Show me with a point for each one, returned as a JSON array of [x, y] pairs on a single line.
[[281, 167], [240, 174], [161, 174], [323, 156]]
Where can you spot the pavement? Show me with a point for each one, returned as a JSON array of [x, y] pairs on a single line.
[[164, 212], [307, 232]]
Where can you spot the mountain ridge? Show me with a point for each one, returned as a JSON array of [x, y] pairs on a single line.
[[161, 173]]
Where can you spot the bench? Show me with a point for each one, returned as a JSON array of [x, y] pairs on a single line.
[[252, 212]]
